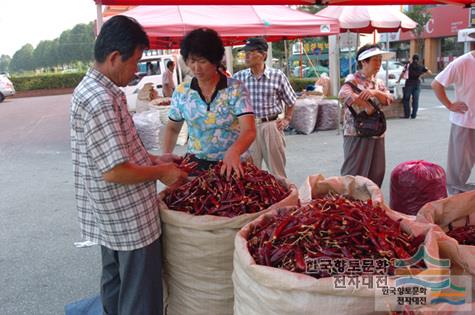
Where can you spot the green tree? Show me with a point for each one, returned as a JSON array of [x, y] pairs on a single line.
[[23, 59], [5, 63], [421, 15]]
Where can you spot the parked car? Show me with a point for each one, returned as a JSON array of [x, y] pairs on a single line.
[[6, 87], [154, 75], [395, 68]]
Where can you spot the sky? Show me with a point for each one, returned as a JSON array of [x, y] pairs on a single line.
[[23, 22]]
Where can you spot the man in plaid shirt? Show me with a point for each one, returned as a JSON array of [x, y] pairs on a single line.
[[271, 94], [114, 176]]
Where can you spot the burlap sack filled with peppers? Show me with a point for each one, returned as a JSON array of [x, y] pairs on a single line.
[[198, 257], [266, 290], [456, 211]]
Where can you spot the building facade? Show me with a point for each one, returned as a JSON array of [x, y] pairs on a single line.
[[440, 42]]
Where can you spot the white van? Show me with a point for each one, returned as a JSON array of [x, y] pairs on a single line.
[[159, 64]]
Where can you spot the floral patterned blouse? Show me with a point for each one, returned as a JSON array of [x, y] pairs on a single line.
[[213, 127]]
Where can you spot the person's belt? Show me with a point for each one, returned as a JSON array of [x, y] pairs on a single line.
[[266, 119]]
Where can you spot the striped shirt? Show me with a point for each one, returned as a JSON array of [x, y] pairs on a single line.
[[269, 92], [120, 217]]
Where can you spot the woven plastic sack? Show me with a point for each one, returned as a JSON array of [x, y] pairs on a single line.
[[304, 117], [415, 183], [198, 258], [266, 290], [327, 118]]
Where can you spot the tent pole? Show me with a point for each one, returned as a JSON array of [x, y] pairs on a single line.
[[301, 53], [334, 64], [387, 61], [269, 55], [228, 54], [99, 21], [286, 53], [349, 50]]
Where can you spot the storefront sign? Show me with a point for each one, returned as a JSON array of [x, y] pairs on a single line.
[[446, 21]]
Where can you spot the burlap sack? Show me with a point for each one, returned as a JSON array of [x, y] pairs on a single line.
[[198, 258], [265, 290]]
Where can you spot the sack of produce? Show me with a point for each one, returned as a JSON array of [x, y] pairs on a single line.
[[200, 220], [415, 183], [182, 136], [148, 126], [327, 118], [304, 116], [456, 217], [326, 256]]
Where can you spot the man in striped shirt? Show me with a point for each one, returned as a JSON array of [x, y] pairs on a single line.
[[271, 94], [115, 177]]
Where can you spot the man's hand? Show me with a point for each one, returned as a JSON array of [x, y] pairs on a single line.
[[458, 107], [173, 176], [231, 162], [283, 123]]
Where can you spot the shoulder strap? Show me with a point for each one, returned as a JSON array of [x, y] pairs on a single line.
[[358, 91]]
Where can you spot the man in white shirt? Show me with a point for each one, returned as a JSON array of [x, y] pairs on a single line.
[[461, 151], [167, 80]]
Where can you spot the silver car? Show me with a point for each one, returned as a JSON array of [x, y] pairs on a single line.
[[6, 87]]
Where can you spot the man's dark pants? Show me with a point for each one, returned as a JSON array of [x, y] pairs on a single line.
[[131, 281]]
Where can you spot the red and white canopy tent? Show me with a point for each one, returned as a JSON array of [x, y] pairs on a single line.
[[166, 25]]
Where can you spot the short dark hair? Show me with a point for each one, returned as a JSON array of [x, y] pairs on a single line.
[[120, 33], [415, 58], [203, 42], [363, 49], [169, 63]]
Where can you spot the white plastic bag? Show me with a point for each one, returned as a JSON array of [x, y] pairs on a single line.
[[327, 118], [148, 128], [304, 117]]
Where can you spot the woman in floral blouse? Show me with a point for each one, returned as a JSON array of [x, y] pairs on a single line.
[[217, 109], [364, 156]]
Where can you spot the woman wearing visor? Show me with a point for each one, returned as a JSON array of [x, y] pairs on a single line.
[[364, 156]]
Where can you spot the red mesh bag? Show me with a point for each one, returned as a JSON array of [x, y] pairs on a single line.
[[414, 183]]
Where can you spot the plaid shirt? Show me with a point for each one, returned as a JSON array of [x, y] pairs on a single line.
[[120, 217], [268, 92]]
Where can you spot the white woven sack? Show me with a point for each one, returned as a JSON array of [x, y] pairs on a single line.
[[327, 118], [198, 258], [265, 290], [304, 116]]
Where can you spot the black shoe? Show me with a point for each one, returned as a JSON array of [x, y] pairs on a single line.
[[412, 117]]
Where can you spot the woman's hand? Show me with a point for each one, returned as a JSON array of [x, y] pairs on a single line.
[[232, 162]]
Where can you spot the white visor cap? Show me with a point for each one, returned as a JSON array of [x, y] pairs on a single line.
[[374, 52]]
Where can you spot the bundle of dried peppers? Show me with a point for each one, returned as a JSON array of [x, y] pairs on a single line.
[[334, 227], [211, 193], [465, 235]]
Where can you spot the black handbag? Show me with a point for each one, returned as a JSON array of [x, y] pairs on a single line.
[[366, 125]]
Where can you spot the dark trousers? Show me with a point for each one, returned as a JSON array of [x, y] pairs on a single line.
[[131, 281], [364, 157], [414, 91]]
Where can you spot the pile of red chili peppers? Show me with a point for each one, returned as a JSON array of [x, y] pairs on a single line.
[[334, 227], [465, 235], [211, 193]]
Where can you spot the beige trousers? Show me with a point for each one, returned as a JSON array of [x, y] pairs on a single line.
[[270, 147]]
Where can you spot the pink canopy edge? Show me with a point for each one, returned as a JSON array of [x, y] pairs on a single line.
[[366, 19], [166, 25]]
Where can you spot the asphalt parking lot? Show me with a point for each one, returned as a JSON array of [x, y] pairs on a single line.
[[41, 270]]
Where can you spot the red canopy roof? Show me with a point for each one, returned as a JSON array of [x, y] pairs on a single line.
[[269, 2], [166, 25]]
